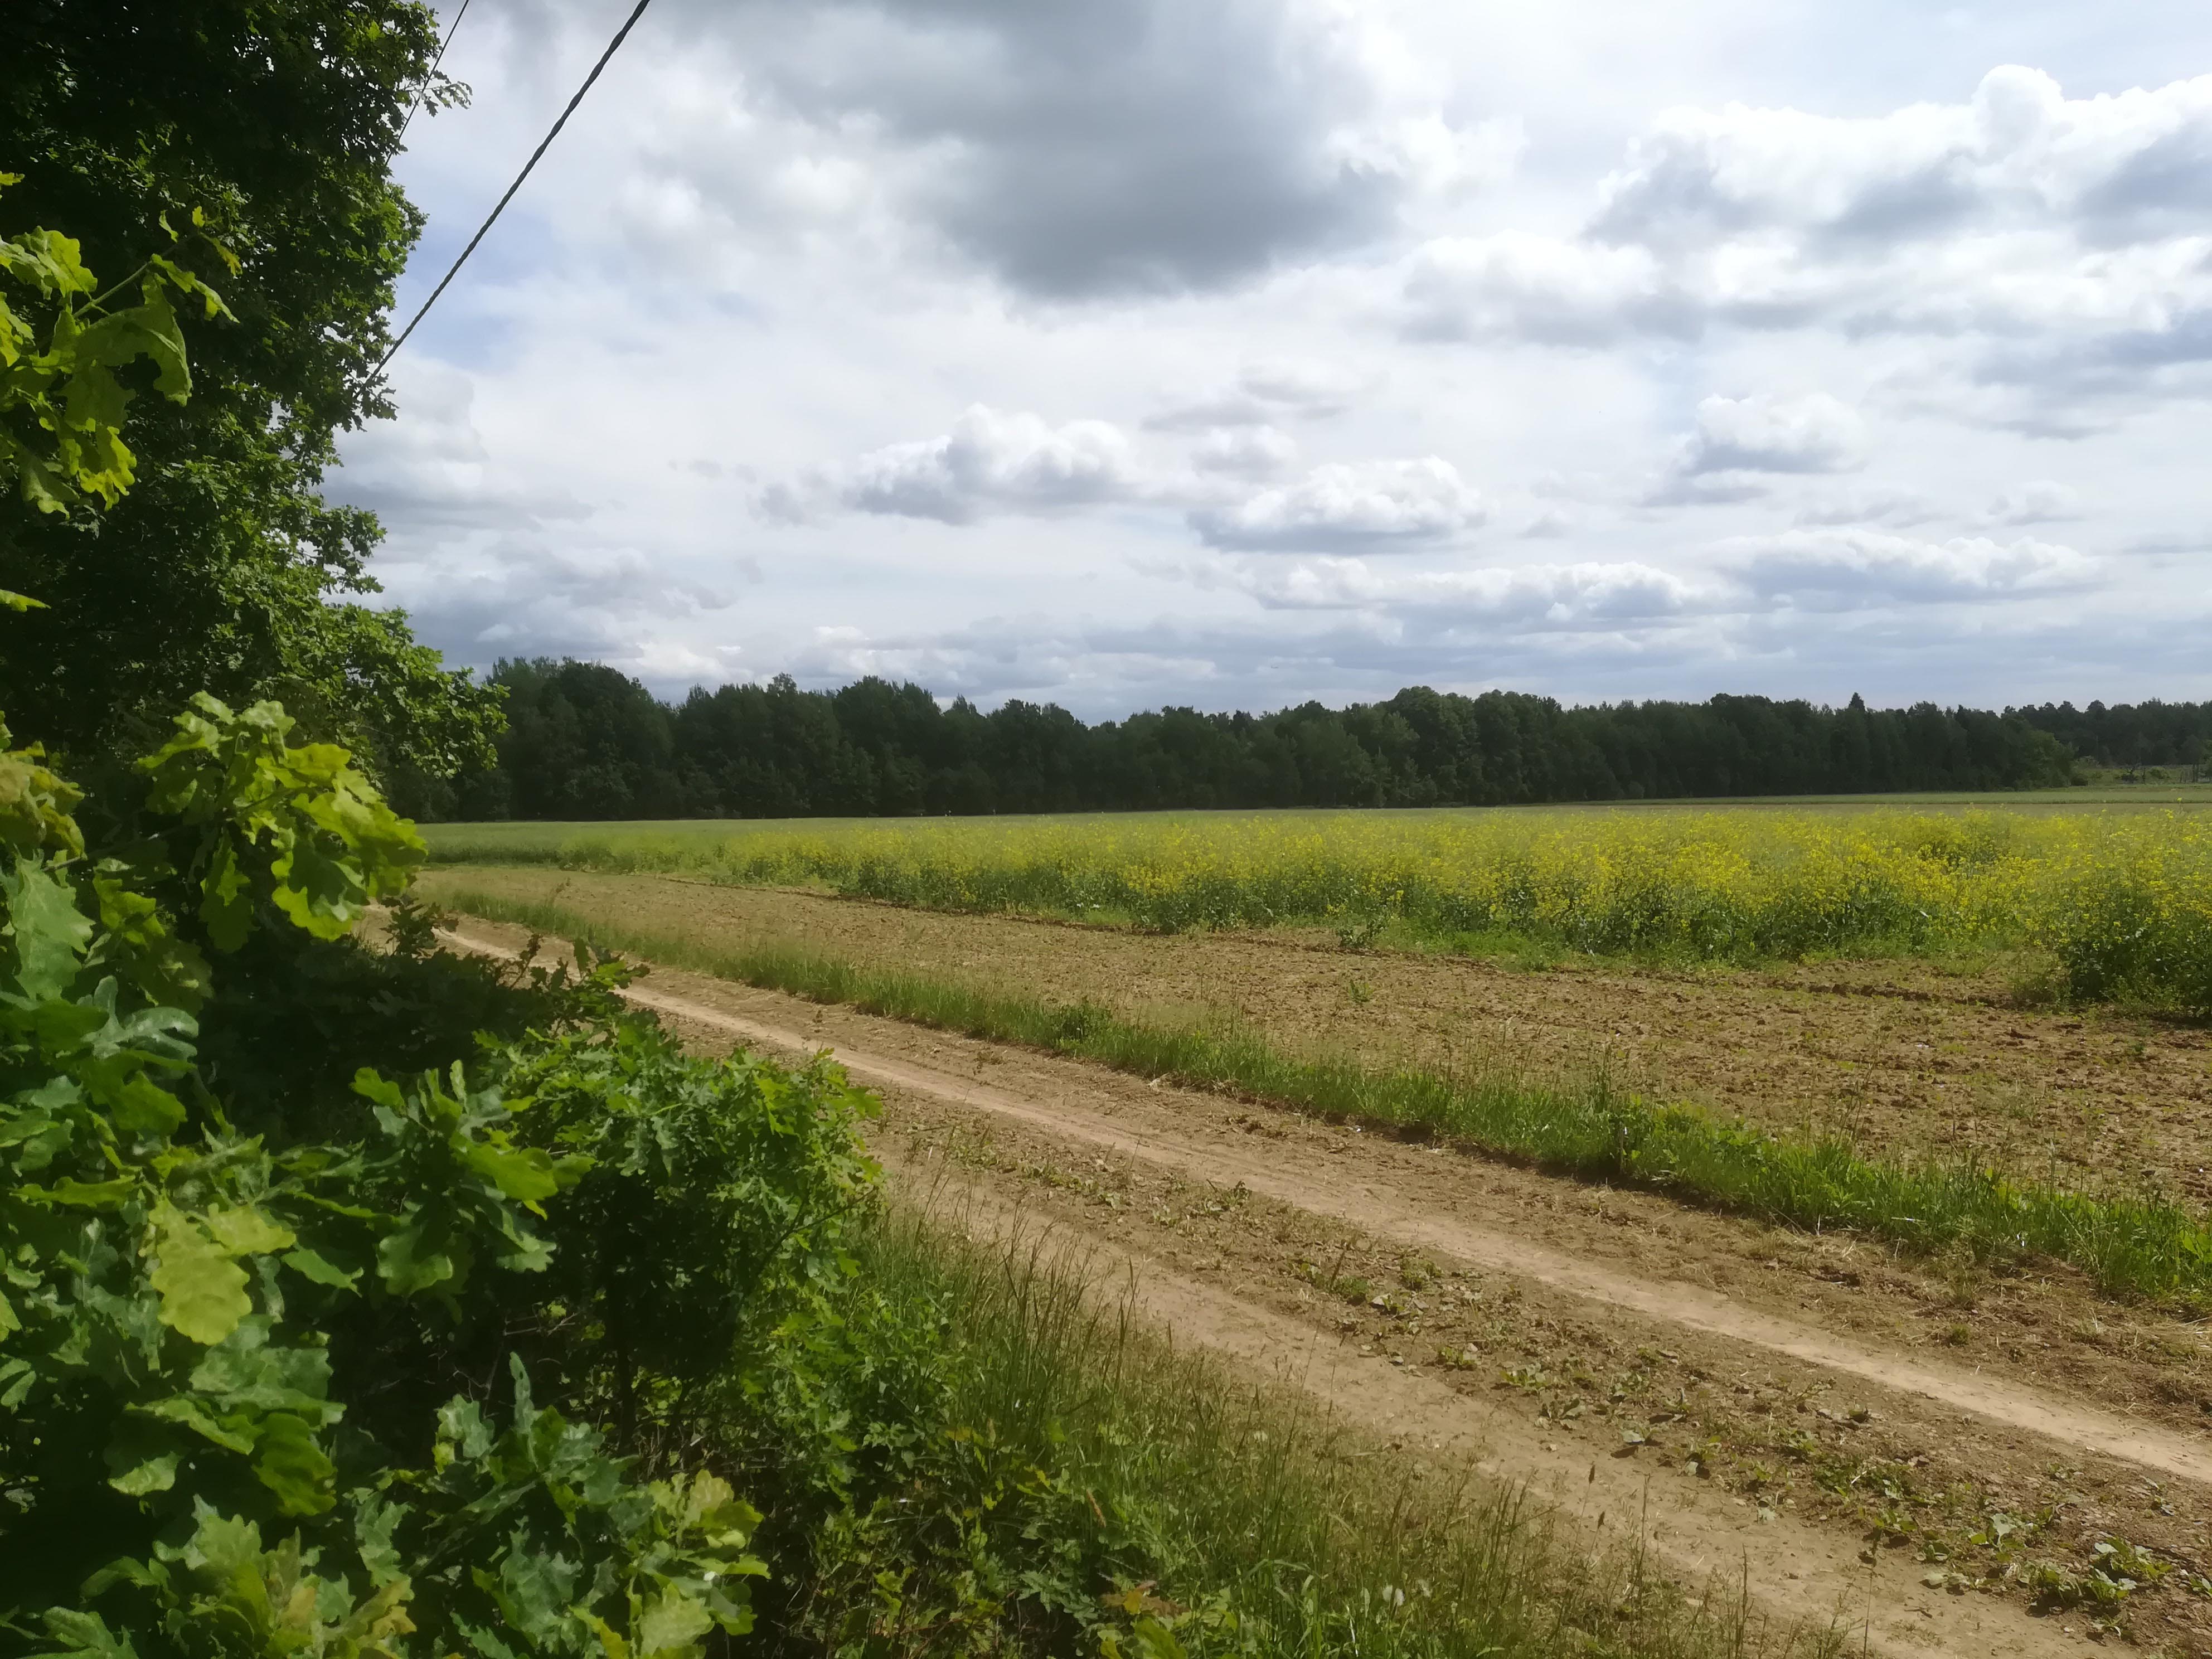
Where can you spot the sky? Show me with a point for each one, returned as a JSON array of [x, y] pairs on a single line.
[[1233, 353]]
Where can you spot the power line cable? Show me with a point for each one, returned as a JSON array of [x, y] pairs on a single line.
[[452, 29], [613, 45]]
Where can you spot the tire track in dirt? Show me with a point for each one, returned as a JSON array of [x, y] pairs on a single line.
[[1801, 1571], [1171, 1145], [1791, 1569]]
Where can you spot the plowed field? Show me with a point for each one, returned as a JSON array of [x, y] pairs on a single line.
[[1944, 1457]]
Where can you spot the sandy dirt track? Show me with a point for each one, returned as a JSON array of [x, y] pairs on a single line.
[[1398, 1197]]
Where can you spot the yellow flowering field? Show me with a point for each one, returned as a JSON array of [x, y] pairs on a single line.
[[2123, 900]]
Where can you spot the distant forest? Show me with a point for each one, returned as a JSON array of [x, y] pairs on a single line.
[[585, 741]]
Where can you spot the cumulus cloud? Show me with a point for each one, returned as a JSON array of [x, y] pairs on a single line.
[[1738, 443], [2063, 237], [2019, 152], [990, 461], [1762, 434], [1854, 569], [1548, 595], [1408, 502], [1076, 148]]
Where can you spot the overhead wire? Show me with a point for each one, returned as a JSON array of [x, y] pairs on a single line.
[[613, 46], [452, 29]]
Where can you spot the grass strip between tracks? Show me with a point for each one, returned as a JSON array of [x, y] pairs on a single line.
[[1584, 1127]]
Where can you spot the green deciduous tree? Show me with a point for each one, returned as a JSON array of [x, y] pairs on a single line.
[[268, 127]]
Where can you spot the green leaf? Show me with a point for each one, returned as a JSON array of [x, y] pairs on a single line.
[[146, 1109], [193, 1414], [203, 1291], [408, 1263], [289, 1462], [144, 1460], [526, 1175], [51, 933], [312, 1265], [93, 1195], [19, 602], [85, 1636], [227, 899], [673, 1623], [242, 1231]]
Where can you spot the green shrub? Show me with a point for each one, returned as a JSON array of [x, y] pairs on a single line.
[[198, 1453]]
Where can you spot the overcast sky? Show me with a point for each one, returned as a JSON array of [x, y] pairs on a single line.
[[1234, 352]]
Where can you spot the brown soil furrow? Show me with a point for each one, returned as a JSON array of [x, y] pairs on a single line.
[[1178, 1140], [1795, 1571], [2106, 1102]]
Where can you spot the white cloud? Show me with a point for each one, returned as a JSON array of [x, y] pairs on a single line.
[[1257, 241], [1762, 434], [1536, 596], [1871, 504], [2063, 237], [1275, 390], [1248, 452], [2019, 152], [2040, 503], [1851, 569], [990, 461], [1339, 505], [1520, 284]]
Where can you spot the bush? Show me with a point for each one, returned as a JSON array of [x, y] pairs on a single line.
[[217, 1349]]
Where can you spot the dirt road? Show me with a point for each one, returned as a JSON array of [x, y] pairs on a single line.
[[1623, 1356]]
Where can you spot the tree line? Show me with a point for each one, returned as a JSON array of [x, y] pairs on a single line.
[[585, 741]]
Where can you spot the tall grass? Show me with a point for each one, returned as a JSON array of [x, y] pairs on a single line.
[[1263, 1528], [2123, 901], [1583, 1126]]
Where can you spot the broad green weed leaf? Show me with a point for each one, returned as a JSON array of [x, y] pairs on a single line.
[[203, 1291]]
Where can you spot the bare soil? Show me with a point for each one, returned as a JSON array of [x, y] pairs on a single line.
[[1899, 1057], [1946, 1452]]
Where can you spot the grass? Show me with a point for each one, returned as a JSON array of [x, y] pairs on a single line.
[[1583, 1126], [1260, 1526]]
